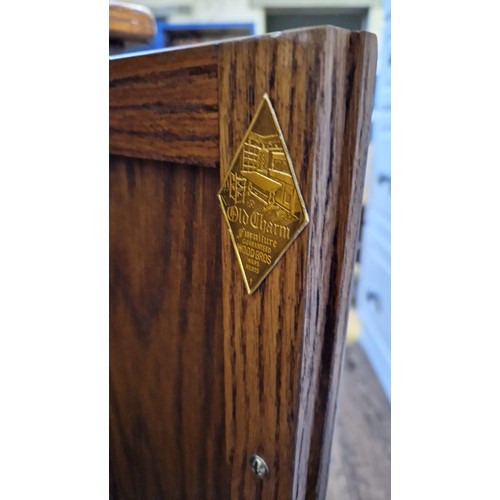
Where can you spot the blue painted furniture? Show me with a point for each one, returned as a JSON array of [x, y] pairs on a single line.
[[167, 34], [373, 298]]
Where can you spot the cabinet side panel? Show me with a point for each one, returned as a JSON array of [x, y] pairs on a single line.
[[360, 64]]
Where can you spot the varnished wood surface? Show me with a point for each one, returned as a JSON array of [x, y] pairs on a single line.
[[164, 106], [130, 22], [166, 355], [202, 374], [274, 339], [360, 72]]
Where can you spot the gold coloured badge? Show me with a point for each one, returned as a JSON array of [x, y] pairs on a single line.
[[260, 198]]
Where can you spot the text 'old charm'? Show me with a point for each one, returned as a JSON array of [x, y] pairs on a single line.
[[260, 198]]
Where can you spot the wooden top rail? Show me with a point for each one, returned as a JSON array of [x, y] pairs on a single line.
[[164, 105]]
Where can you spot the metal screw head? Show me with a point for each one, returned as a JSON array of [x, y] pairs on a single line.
[[259, 466]]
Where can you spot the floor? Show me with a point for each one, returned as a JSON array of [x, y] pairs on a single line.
[[361, 452]]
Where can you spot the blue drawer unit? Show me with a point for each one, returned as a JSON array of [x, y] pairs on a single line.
[[380, 183], [373, 293], [175, 35]]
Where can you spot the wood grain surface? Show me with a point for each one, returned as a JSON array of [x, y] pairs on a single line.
[[203, 375], [274, 339], [163, 106], [166, 354], [360, 70]]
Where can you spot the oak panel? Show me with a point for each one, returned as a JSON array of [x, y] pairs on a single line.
[[351, 152], [166, 355], [276, 356], [163, 106]]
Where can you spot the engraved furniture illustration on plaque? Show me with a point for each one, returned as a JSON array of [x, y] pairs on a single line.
[[260, 198]]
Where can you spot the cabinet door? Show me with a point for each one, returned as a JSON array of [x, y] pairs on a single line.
[[203, 376]]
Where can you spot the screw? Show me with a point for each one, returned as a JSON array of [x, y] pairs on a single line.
[[259, 466]]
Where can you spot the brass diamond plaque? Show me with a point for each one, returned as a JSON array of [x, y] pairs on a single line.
[[260, 198]]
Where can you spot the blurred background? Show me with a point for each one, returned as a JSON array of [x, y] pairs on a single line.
[[360, 467]]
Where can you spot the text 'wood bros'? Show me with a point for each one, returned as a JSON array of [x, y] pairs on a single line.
[[236, 177]]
